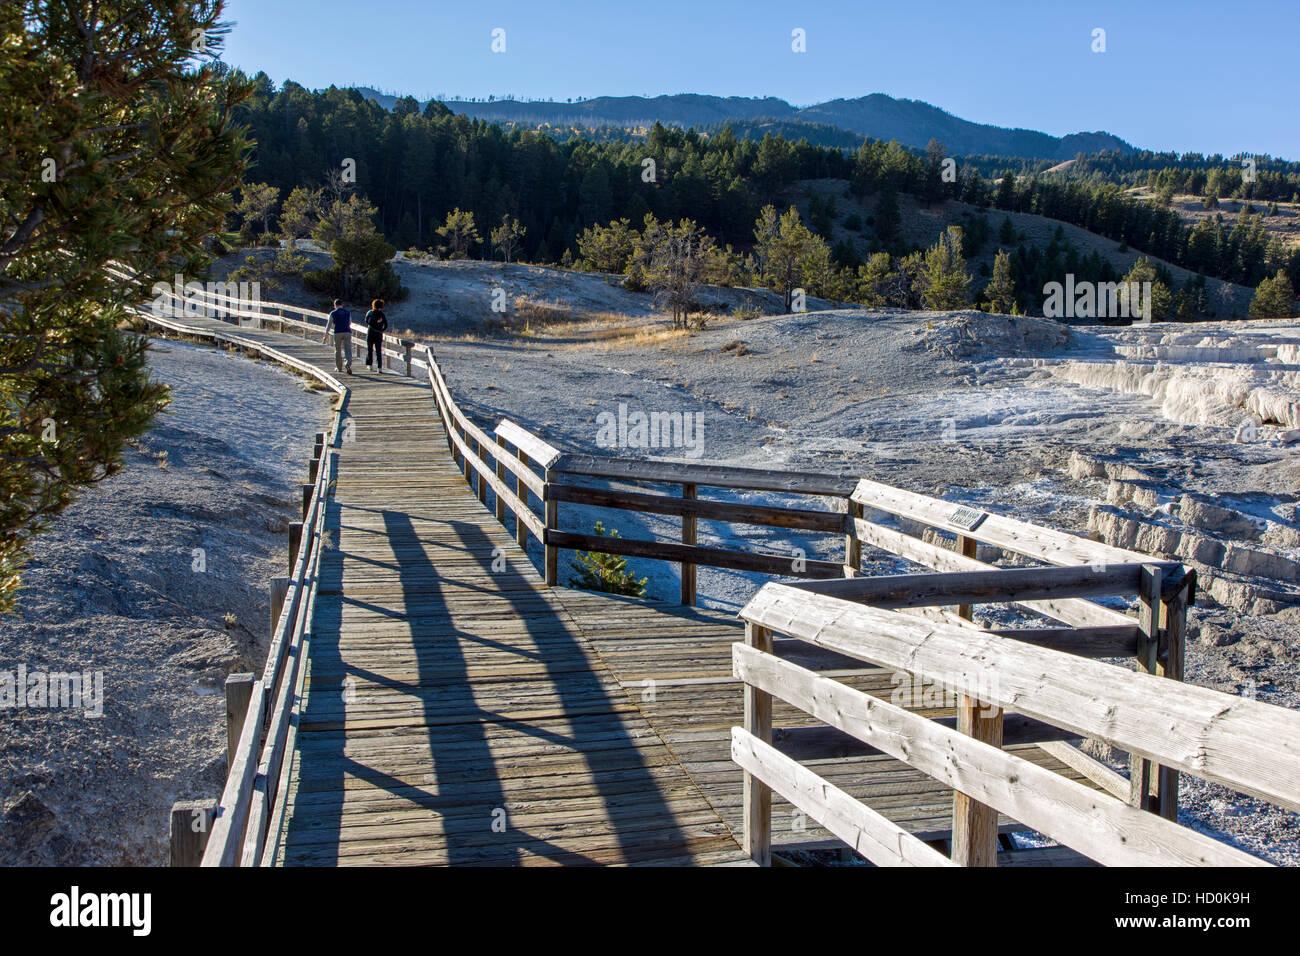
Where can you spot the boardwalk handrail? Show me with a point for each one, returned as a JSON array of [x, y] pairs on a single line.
[[239, 828], [310, 321], [1243, 744]]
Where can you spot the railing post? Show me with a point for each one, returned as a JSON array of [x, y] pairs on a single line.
[[521, 489], [466, 467], [852, 546], [689, 493], [968, 548], [279, 591], [407, 345], [1170, 664], [482, 479], [306, 497], [239, 691], [757, 795], [191, 822], [974, 824], [501, 476], [1143, 774], [295, 542], [552, 524]]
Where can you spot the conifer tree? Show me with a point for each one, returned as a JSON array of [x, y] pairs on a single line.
[[1274, 298], [508, 236], [791, 255], [946, 278], [460, 232], [1000, 293], [256, 204], [119, 146]]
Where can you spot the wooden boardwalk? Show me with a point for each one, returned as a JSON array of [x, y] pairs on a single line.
[[457, 711]]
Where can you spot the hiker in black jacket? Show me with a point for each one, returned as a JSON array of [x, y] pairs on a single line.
[[376, 326]]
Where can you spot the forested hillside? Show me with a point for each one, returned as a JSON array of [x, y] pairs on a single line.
[[420, 166]]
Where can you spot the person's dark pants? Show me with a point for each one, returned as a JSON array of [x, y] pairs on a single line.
[[375, 349]]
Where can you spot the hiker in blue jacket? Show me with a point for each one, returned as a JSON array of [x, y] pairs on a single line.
[[340, 321]]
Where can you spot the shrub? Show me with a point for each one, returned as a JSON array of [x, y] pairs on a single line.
[[607, 573], [382, 283]]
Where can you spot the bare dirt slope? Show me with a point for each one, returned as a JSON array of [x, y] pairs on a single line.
[[460, 298]]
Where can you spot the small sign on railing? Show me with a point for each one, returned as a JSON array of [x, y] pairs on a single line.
[[967, 518]]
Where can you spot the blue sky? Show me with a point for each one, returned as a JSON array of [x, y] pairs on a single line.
[[1191, 75]]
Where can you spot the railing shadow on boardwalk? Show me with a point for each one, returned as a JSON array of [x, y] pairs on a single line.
[[466, 785]]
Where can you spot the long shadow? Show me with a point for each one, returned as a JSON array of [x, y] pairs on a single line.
[[464, 774], [632, 797], [467, 790]]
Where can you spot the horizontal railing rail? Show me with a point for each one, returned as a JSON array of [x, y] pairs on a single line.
[[201, 301]]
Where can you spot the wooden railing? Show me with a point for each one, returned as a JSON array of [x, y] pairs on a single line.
[[233, 831], [1243, 744], [277, 316], [874, 619]]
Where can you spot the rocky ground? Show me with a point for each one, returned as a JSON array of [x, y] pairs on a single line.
[[158, 579]]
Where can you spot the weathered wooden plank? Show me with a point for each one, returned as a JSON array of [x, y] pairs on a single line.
[[224, 842], [1074, 611], [1002, 585], [713, 476], [762, 515], [825, 743], [695, 554], [544, 453], [1094, 770], [872, 835], [1046, 544]]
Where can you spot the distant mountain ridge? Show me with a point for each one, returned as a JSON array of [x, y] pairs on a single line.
[[878, 116]]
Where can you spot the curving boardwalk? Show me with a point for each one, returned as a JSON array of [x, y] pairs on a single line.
[[455, 710]]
